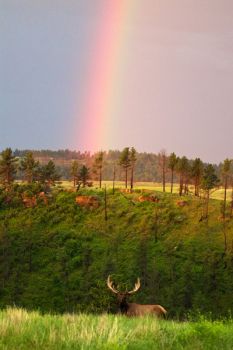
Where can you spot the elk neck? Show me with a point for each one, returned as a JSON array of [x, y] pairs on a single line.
[[124, 305]]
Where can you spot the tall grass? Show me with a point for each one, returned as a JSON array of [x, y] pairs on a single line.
[[24, 330]]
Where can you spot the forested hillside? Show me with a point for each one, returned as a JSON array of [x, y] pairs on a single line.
[[56, 256]]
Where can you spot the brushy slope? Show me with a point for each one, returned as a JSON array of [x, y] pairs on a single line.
[[57, 257], [21, 330]]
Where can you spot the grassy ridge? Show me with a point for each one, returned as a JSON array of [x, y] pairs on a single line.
[[20, 329], [57, 257]]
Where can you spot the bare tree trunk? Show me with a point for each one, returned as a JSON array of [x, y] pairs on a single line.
[[231, 196], [113, 181], [105, 204], [164, 180], [207, 204], [225, 236], [172, 181], [131, 180], [100, 178], [126, 177], [181, 184], [195, 187], [225, 198], [162, 158]]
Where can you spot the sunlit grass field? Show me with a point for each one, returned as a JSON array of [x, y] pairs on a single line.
[[153, 186], [22, 330]]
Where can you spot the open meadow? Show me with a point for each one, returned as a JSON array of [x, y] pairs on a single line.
[[217, 193], [22, 330]]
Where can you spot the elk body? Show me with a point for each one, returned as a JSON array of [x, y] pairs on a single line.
[[133, 309]]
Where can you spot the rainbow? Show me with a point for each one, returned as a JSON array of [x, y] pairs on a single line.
[[102, 84]]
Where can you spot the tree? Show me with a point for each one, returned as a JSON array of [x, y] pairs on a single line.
[[74, 172], [225, 172], [163, 166], [182, 167], [114, 178], [125, 162], [187, 178], [98, 166], [208, 182], [133, 159], [49, 174], [172, 161], [196, 173], [30, 167], [84, 175], [231, 210], [8, 167]]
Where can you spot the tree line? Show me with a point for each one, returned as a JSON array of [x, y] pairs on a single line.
[[193, 176]]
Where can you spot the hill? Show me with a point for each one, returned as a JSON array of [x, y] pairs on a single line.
[[57, 257]]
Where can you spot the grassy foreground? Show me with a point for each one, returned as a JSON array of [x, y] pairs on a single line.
[[24, 330]]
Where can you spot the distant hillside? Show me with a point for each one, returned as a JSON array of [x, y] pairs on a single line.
[[146, 168]]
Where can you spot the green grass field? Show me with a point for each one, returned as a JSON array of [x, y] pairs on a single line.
[[153, 186], [22, 330]]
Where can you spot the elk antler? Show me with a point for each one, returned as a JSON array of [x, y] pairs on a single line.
[[136, 287], [110, 285]]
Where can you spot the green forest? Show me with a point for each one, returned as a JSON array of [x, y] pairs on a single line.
[[57, 257]]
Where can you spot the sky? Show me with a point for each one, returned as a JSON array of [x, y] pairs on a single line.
[[107, 74]]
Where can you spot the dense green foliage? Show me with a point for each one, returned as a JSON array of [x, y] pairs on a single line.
[[20, 330], [57, 257]]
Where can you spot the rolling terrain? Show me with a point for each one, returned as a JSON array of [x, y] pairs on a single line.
[[56, 257]]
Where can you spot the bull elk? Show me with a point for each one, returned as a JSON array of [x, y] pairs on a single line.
[[133, 309]]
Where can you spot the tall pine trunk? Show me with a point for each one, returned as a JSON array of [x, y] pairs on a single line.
[[100, 178], [207, 204], [231, 196], [126, 177], [225, 198], [131, 180], [164, 180], [113, 181], [196, 186], [172, 176], [181, 184]]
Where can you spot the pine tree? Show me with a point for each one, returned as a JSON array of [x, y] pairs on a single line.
[[172, 161], [8, 167], [225, 172], [30, 167], [196, 173], [133, 160], [74, 172], [182, 168], [209, 181], [98, 166], [49, 174], [162, 157], [84, 175], [125, 163]]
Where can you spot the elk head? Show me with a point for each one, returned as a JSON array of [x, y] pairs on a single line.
[[133, 309], [122, 296]]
